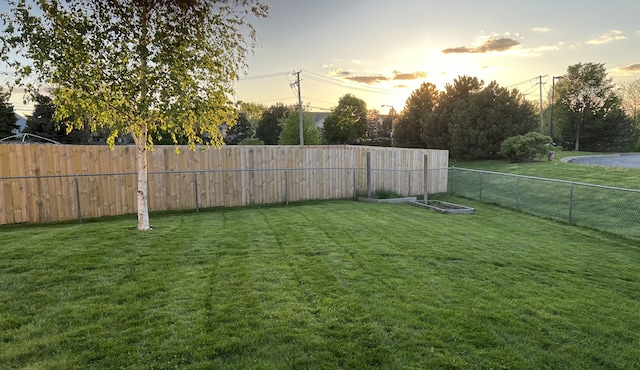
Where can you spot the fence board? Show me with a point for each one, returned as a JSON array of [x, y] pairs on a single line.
[[38, 181]]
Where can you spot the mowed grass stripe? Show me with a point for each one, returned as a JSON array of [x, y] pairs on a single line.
[[319, 285]]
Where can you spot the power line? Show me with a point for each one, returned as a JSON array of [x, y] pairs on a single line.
[[523, 82], [317, 100], [336, 82], [317, 78], [526, 92], [320, 108], [275, 100], [266, 75]]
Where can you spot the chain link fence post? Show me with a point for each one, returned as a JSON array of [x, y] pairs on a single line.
[[481, 173], [368, 174], [78, 199], [426, 179], [453, 180], [195, 184], [517, 193], [286, 186], [571, 205]]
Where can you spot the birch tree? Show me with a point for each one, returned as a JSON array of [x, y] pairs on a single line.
[[144, 68]]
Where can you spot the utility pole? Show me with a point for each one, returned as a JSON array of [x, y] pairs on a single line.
[[297, 83]]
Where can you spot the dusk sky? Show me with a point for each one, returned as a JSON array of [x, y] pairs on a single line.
[[381, 51]]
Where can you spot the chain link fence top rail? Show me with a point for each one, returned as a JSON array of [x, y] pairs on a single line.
[[604, 208]]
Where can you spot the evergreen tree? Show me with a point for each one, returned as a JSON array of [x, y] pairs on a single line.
[[269, 128], [42, 123], [613, 131], [8, 118], [454, 99], [243, 129], [408, 132], [478, 127]]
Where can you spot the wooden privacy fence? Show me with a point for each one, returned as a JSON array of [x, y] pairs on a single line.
[[47, 183]]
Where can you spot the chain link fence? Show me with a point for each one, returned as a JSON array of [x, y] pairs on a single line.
[[40, 199], [604, 208], [56, 198]]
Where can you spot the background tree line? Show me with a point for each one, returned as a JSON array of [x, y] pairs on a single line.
[[350, 122], [472, 119], [469, 118]]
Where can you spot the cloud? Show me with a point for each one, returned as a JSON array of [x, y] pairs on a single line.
[[489, 45], [340, 73], [372, 79], [613, 35], [541, 29], [635, 67], [458, 50], [629, 70], [397, 75], [369, 80]]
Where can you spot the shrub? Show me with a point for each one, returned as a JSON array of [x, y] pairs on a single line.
[[251, 141], [526, 147], [635, 147], [385, 194]]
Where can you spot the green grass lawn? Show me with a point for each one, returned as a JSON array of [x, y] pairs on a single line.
[[556, 169], [337, 284]]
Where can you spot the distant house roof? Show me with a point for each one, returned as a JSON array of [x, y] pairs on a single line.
[[22, 123], [319, 117]]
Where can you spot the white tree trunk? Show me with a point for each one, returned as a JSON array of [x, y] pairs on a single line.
[[143, 209]]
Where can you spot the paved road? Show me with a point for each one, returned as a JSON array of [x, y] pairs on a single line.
[[630, 160]]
